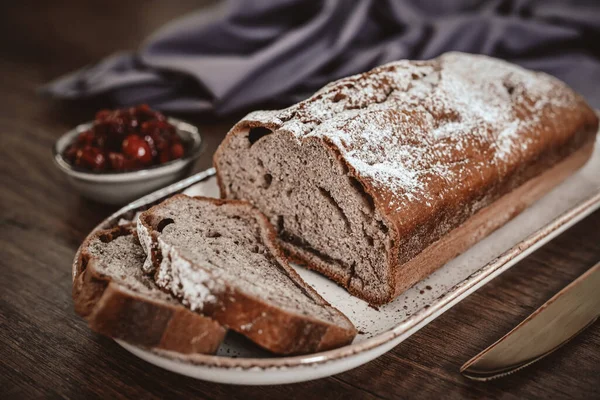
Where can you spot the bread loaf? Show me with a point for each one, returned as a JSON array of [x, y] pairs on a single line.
[[118, 300], [380, 178], [221, 258]]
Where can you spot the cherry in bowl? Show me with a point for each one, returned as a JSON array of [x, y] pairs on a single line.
[[126, 139], [118, 166]]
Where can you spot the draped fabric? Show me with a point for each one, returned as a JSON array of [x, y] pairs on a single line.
[[275, 53]]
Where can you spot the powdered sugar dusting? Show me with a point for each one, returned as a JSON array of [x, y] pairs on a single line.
[[146, 243], [419, 130], [194, 286]]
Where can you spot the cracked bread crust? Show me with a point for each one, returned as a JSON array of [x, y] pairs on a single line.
[[114, 309], [430, 144], [271, 326]]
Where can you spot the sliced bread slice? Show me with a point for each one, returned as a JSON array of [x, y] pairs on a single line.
[[118, 300], [220, 257]]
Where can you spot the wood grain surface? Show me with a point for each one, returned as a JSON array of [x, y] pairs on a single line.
[[46, 351]]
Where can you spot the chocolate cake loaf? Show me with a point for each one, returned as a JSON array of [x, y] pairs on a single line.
[[379, 179]]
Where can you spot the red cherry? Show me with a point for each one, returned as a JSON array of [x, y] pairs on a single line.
[[162, 127], [112, 127], [136, 148], [176, 151], [164, 156], [134, 124], [159, 131], [92, 157], [122, 122], [101, 141], [99, 161], [116, 160], [148, 139], [79, 155], [160, 142], [144, 113], [145, 128], [130, 124], [146, 157], [120, 163], [70, 153], [85, 138], [130, 146]]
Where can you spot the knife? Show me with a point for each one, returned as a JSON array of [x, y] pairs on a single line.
[[556, 322]]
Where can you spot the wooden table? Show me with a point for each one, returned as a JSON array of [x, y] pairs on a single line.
[[47, 351]]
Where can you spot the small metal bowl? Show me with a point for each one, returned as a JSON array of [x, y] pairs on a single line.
[[122, 187]]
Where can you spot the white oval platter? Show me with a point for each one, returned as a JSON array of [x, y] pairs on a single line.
[[240, 362]]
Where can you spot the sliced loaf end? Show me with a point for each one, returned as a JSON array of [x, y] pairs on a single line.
[[220, 257], [323, 214], [118, 300]]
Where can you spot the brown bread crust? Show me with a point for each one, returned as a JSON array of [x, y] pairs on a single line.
[[270, 327], [118, 312], [552, 122]]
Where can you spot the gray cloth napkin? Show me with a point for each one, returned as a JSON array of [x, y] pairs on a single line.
[[275, 53]]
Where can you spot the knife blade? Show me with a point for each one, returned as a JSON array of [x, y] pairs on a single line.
[[556, 322]]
